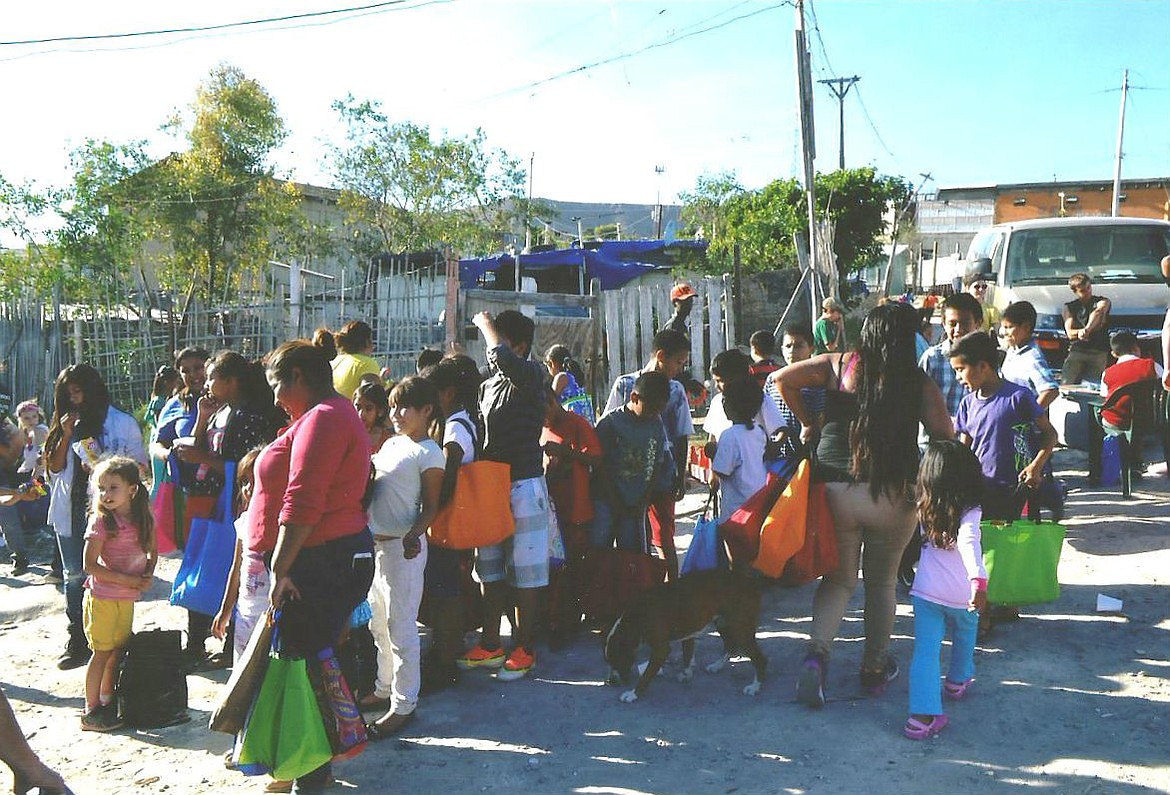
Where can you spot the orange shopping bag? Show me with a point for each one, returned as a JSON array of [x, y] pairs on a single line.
[[782, 535], [479, 513]]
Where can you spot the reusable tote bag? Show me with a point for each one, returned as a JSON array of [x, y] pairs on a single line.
[[818, 556], [703, 552], [782, 534], [479, 513], [1021, 558], [236, 699], [285, 734], [741, 530], [207, 557], [165, 512]]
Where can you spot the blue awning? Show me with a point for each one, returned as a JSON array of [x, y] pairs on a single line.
[[613, 263]]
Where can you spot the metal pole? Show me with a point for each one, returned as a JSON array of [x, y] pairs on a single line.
[[528, 207], [737, 298], [1116, 208], [795, 294]]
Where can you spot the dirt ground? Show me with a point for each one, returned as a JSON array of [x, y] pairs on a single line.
[[1068, 700]]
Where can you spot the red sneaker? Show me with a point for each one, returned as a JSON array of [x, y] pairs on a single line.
[[479, 657], [518, 664]]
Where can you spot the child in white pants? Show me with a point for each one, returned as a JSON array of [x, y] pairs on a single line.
[[408, 475]]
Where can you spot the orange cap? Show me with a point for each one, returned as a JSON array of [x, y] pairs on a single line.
[[682, 291]]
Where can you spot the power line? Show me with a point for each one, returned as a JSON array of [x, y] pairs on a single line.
[[204, 28], [624, 55]]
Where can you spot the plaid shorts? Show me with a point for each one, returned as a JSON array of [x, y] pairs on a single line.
[[521, 560]]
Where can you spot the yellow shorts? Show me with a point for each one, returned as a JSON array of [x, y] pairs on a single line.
[[108, 622]]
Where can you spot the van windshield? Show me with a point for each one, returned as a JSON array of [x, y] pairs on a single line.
[[1129, 254]]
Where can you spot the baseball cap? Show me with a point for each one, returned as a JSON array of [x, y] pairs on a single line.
[[682, 291]]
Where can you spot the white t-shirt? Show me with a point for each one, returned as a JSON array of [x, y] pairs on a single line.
[[397, 494], [768, 417], [739, 461], [456, 431]]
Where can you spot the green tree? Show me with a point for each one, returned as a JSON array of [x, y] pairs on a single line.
[[36, 268], [218, 205], [103, 227], [705, 208], [763, 222], [405, 190]]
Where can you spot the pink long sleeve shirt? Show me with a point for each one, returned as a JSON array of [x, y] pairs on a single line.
[[314, 474], [950, 577]]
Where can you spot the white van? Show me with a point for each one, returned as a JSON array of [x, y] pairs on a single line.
[[1032, 261]]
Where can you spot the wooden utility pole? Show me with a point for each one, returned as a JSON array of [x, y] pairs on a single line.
[[808, 147], [840, 87]]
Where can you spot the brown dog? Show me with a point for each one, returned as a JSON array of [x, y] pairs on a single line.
[[681, 610]]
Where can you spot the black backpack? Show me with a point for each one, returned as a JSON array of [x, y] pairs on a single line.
[[152, 688]]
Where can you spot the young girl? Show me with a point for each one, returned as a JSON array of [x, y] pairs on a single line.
[[30, 477], [739, 455], [246, 596], [119, 559], [567, 377], [951, 585], [457, 380], [373, 407], [408, 475]]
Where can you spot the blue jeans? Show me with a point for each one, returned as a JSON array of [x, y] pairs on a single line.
[[626, 526], [13, 528], [930, 624], [73, 556]]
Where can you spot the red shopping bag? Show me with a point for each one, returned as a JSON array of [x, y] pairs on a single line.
[[741, 530]]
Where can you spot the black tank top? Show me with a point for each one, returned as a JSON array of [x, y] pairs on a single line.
[[834, 455]]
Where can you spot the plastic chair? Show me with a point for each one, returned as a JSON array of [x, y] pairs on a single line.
[[1142, 397]]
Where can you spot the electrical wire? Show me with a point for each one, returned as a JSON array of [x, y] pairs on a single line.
[[630, 54], [202, 28]]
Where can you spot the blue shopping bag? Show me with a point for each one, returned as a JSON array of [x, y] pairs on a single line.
[[207, 557], [1111, 461], [703, 552]]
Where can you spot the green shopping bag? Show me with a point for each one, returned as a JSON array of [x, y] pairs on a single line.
[[1021, 559], [284, 733]]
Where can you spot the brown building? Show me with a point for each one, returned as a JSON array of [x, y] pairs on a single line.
[[951, 217], [1139, 199]]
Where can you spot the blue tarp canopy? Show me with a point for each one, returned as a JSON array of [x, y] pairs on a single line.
[[613, 262]]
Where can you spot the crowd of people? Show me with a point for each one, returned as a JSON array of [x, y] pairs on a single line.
[[336, 475]]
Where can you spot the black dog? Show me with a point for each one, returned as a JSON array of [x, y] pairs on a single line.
[[681, 610]]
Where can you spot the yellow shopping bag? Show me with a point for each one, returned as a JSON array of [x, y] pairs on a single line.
[[782, 535]]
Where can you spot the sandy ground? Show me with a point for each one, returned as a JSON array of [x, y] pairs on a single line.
[[1068, 700]]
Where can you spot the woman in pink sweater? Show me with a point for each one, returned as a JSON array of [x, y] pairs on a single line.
[[951, 585], [306, 509]]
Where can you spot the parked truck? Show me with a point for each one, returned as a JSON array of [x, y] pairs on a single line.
[[1032, 261]]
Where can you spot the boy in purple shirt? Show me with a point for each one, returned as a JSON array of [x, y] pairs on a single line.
[[997, 419]]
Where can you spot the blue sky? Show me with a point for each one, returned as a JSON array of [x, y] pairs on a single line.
[[972, 92]]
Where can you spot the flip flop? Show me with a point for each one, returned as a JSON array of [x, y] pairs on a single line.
[[956, 690], [917, 730]]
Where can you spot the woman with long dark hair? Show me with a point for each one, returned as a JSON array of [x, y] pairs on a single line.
[[875, 397], [85, 427]]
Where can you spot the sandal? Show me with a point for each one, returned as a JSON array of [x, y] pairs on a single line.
[[917, 730], [956, 690], [376, 731], [278, 785]]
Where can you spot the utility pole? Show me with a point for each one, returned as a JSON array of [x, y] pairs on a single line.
[[528, 207], [659, 170], [840, 87], [1116, 209], [808, 149]]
